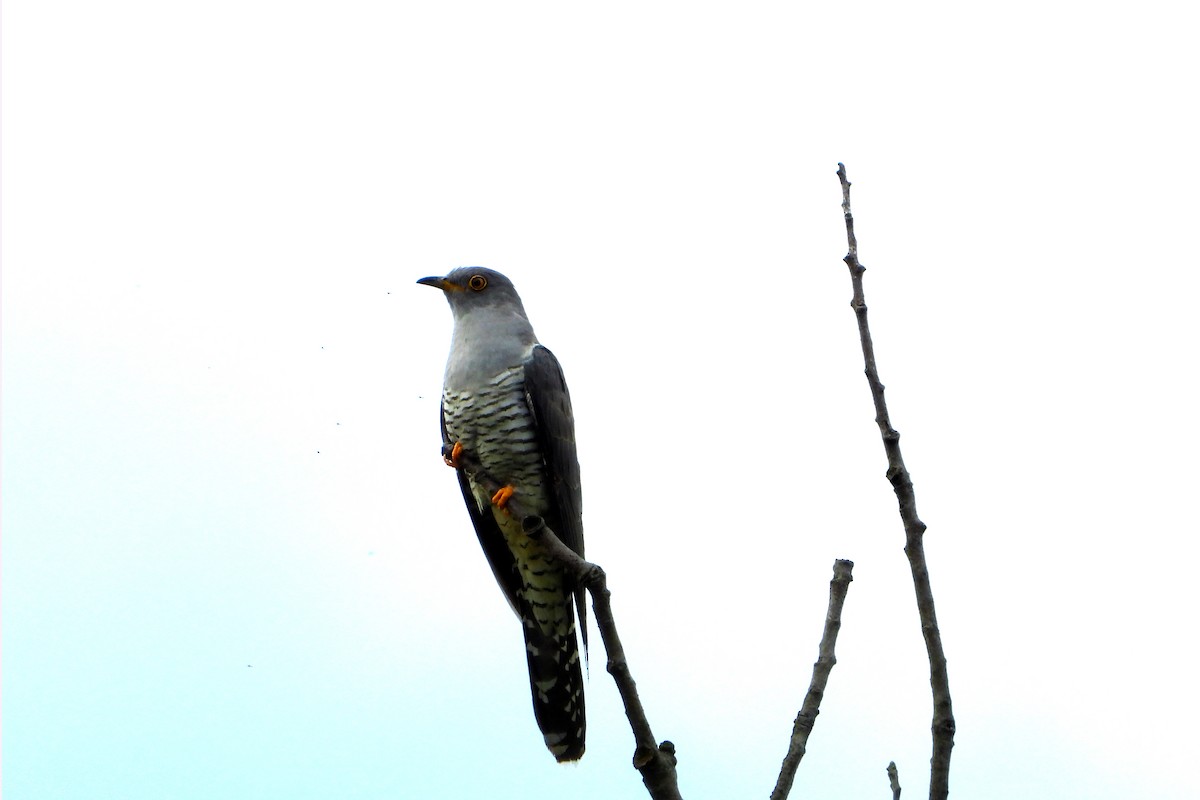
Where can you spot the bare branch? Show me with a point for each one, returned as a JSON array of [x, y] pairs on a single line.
[[807, 717], [894, 779], [914, 528], [655, 762]]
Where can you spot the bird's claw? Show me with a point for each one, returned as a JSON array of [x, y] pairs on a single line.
[[451, 459], [501, 497]]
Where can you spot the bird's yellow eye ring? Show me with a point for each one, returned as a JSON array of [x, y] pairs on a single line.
[[477, 283]]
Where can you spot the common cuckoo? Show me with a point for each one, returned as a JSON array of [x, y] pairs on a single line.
[[505, 400]]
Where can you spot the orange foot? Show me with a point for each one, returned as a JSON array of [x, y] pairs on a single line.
[[502, 495], [452, 459]]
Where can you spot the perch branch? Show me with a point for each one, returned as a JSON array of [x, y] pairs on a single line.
[[816, 688], [655, 762], [914, 528]]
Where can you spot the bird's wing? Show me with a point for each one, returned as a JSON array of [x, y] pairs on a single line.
[[550, 404], [499, 557]]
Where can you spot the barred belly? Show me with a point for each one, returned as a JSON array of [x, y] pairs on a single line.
[[495, 423]]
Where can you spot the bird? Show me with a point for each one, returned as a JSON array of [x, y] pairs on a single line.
[[505, 400]]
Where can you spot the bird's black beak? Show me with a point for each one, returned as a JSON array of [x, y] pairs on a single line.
[[441, 283]]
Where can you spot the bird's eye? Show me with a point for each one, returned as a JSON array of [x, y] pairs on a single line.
[[477, 283]]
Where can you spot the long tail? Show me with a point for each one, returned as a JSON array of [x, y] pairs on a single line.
[[556, 682]]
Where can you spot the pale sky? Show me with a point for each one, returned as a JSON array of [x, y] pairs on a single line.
[[234, 565]]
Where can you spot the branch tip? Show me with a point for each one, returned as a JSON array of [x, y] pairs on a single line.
[[839, 585]]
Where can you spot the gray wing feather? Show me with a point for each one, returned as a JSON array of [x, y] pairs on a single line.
[[550, 404]]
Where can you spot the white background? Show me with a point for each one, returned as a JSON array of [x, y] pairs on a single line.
[[235, 567]]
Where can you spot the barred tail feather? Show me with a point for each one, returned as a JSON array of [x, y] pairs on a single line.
[[556, 682]]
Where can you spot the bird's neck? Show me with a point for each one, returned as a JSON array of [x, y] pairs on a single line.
[[486, 342]]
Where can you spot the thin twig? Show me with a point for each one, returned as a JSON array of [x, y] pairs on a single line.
[[914, 528], [807, 717], [655, 762], [894, 779]]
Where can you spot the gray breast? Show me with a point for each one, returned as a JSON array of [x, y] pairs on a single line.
[[495, 423]]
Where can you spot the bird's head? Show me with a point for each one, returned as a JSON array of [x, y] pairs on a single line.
[[471, 288]]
